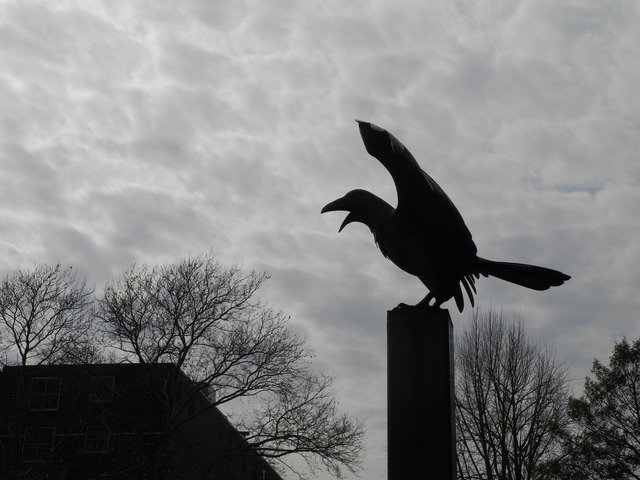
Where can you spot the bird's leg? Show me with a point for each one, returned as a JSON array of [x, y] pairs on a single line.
[[426, 300], [422, 303]]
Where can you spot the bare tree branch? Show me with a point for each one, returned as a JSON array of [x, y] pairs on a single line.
[[203, 318], [44, 313], [510, 400]]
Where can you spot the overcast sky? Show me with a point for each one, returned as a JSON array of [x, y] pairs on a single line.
[[145, 131]]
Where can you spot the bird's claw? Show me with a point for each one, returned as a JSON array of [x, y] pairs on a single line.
[[402, 306]]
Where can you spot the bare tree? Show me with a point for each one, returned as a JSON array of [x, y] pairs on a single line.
[[166, 313], [203, 317], [44, 313], [510, 400]]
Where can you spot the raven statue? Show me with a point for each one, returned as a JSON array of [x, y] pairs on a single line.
[[426, 235]]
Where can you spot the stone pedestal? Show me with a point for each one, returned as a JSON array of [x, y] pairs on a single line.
[[420, 389]]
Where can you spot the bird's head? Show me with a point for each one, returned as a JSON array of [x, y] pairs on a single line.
[[363, 207]]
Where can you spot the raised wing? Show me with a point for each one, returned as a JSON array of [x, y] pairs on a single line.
[[422, 204]]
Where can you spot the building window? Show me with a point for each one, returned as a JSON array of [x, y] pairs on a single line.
[[97, 440], [45, 393], [37, 444], [102, 389]]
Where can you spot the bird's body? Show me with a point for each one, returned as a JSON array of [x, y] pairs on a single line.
[[426, 235]]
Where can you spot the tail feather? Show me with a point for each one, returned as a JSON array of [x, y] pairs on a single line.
[[530, 276]]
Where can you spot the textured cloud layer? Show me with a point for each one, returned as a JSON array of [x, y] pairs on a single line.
[[145, 131]]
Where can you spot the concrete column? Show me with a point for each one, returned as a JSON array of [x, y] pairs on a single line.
[[420, 389]]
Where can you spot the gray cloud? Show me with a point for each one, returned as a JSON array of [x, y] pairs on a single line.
[[146, 131]]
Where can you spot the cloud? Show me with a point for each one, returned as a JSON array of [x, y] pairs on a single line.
[[146, 131]]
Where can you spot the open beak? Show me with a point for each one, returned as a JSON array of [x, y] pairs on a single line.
[[340, 205]]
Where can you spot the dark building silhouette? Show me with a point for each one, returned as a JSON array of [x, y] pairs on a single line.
[[117, 421]]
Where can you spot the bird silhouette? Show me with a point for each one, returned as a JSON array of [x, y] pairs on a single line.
[[425, 234]]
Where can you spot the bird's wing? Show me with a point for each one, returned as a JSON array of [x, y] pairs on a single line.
[[421, 201]]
